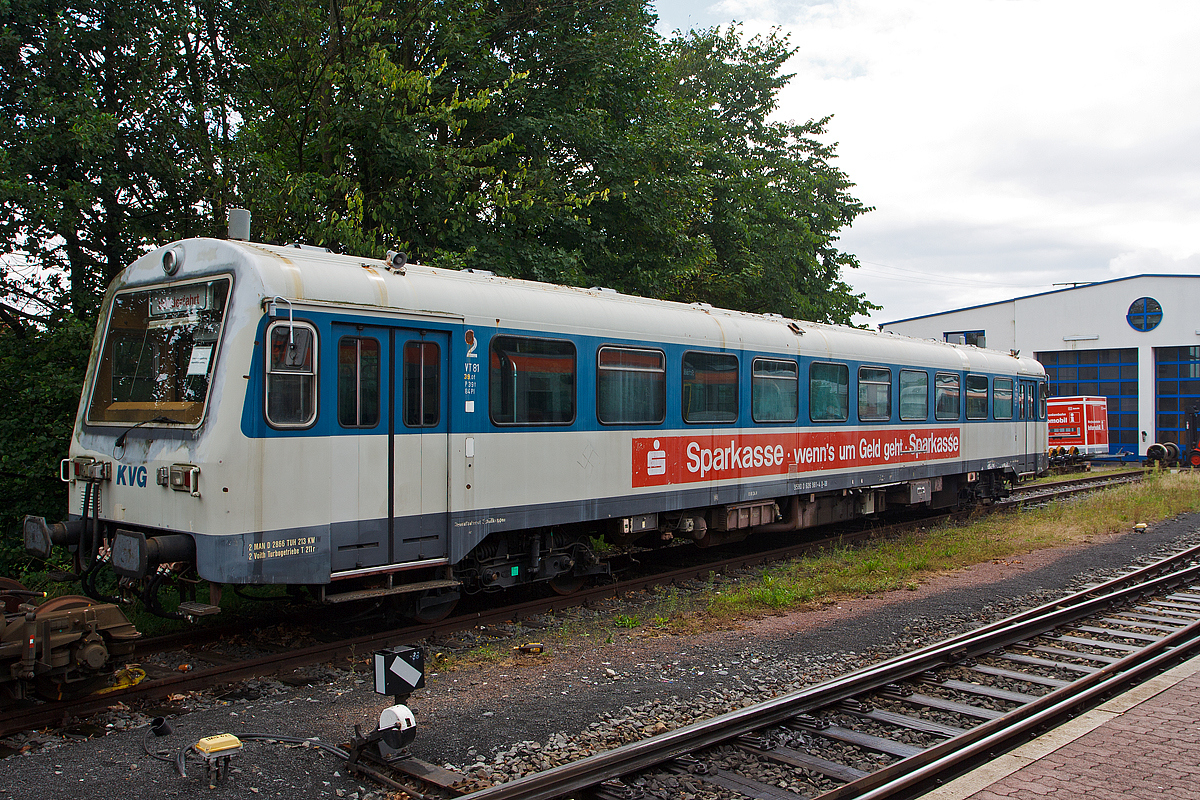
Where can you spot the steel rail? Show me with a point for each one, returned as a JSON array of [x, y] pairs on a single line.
[[1091, 477], [1029, 495], [999, 733], [645, 754]]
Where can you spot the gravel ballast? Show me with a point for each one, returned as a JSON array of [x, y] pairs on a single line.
[[530, 712]]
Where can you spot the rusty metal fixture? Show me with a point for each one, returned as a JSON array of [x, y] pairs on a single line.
[[62, 643]]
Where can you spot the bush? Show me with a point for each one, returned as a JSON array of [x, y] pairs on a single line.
[[41, 377]]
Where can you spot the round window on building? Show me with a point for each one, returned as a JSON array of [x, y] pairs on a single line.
[[1144, 314]]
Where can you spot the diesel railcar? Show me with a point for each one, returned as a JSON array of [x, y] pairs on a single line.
[[258, 414]]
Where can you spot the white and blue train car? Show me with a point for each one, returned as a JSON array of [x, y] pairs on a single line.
[[259, 414]]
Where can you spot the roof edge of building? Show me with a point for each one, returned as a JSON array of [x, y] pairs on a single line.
[[1041, 294]]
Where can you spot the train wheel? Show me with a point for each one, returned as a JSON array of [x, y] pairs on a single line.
[[567, 584], [432, 606], [11, 601]]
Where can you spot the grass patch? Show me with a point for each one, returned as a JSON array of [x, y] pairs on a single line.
[[903, 561]]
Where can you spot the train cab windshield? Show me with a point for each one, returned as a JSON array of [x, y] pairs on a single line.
[[159, 352]]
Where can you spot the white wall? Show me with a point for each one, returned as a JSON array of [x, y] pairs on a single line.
[[1083, 318]]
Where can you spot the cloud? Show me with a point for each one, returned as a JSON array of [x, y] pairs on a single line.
[[920, 268], [1151, 261], [1025, 142]]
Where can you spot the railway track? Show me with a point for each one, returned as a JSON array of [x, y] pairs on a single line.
[[896, 728], [1062, 489], [211, 667]]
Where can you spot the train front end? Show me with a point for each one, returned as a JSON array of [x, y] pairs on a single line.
[[151, 460]]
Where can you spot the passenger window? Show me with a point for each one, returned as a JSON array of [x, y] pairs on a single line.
[[828, 392], [977, 397], [291, 374], [422, 384], [358, 382], [631, 386], [1002, 398], [710, 387], [774, 390], [874, 394], [914, 395], [945, 396], [531, 381]]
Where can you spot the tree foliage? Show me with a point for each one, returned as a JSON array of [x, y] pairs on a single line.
[[40, 376], [558, 140], [113, 126], [774, 202]]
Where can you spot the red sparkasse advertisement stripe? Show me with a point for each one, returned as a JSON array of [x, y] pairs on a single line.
[[665, 460]]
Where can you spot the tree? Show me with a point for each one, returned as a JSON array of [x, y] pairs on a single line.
[[349, 141], [113, 134], [40, 376], [774, 203]]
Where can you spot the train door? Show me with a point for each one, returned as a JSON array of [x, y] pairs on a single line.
[[1027, 413], [359, 447], [420, 414]]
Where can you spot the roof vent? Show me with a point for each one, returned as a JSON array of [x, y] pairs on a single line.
[[239, 224], [486, 272]]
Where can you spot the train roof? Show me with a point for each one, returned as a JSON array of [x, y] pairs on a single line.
[[316, 277]]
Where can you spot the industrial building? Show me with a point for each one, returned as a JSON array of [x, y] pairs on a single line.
[[1134, 340]]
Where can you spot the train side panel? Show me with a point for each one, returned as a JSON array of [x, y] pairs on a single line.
[[362, 421]]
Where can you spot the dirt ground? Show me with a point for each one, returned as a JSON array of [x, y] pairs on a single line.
[[486, 713]]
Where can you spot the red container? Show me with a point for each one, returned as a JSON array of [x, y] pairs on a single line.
[[1080, 422]]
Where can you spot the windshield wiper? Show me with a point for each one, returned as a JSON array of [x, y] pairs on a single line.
[[160, 420]]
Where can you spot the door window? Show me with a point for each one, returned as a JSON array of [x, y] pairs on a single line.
[[422, 384]]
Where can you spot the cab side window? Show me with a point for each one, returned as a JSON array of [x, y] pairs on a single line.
[[291, 374]]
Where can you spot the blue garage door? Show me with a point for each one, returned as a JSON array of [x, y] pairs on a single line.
[[1177, 387]]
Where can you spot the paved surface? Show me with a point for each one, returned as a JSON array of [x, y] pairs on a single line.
[[1143, 744]]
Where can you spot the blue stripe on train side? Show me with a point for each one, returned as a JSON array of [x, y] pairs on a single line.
[[254, 424]]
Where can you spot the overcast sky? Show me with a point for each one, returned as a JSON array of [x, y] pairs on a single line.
[[1007, 145]]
